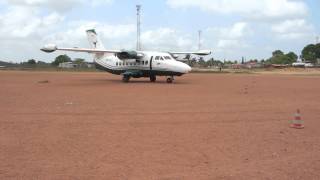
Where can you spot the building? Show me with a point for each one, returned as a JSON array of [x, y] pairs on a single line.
[[72, 65], [68, 65]]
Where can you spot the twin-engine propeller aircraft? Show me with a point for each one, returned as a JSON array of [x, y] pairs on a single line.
[[132, 64]]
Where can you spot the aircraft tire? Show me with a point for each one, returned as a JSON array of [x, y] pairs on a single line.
[[153, 78], [125, 79], [169, 80]]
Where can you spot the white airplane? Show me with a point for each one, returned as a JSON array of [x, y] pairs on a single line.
[[135, 64]]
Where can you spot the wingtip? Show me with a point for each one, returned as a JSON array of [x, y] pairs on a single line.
[[49, 48]]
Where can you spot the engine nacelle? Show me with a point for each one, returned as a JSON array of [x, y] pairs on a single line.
[[127, 55], [49, 48]]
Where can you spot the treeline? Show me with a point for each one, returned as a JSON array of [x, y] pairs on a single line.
[[310, 54], [279, 57], [59, 59]]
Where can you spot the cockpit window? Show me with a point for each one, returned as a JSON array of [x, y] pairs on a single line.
[[161, 58], [157, 58], [167, 57]]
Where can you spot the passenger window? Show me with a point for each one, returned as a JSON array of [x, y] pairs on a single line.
[[142, 62], [116, 63], [147, 62]]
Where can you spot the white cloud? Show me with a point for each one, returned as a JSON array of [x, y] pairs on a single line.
[[74, 34], [100, 2], [229, 37], [56, 5], [237, 30], [166, 39], [252, 9], [293, 29], [20, 22]]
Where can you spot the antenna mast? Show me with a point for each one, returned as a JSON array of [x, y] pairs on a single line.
[[138, 27]]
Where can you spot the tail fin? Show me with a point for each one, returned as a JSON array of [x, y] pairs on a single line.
[[94, 39]]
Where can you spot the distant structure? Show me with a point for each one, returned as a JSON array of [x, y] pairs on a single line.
[[199, 37], [68, 65], [138, 28], [72, 65]]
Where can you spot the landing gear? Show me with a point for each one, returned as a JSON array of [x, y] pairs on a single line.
[[153, 78], [125, 78], [170, 79]]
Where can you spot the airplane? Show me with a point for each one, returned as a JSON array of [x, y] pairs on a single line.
[[132, 64]]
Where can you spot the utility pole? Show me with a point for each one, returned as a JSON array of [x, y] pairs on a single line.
[[138, 28], [199, 36]]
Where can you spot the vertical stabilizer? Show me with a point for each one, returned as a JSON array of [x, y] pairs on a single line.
[[94, 40]]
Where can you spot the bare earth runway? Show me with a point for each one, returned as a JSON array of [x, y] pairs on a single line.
[[204, 127]]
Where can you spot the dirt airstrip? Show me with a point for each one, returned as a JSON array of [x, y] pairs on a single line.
[[58, 125]]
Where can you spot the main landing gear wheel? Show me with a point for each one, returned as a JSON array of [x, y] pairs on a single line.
[[170, 79], [153, 78], [125, 79]]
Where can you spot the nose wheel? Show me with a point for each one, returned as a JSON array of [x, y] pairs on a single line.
[[170, 79], [125, 78], [153, 78]]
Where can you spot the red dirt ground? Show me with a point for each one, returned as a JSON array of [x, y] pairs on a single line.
[[204, 127]]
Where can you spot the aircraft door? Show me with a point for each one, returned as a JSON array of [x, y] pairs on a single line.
[[157, 62], [151, 61]]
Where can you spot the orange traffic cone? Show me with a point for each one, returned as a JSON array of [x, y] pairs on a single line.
[[297, 121]]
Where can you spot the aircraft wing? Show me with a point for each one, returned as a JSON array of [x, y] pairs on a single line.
[[122, 54], [200, 53], [51, 48]]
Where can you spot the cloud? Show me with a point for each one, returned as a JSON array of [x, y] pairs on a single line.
[[111, 34], [252, 9], [293, 29], [20, 22], [237, 30], [167, 39], [60, 6], [228, 37]]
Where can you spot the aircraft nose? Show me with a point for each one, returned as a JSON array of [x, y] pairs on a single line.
[[189, 68], [186, 68]]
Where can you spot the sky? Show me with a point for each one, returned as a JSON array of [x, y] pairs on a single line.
[[232, 29]]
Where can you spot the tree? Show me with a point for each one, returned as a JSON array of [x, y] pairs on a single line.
[[41, 63], [31, 62], [202, 62], [79, 60], [311, 53], [278, 57], [277, 53], [293, 57], [61, 59], [242, 60]]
